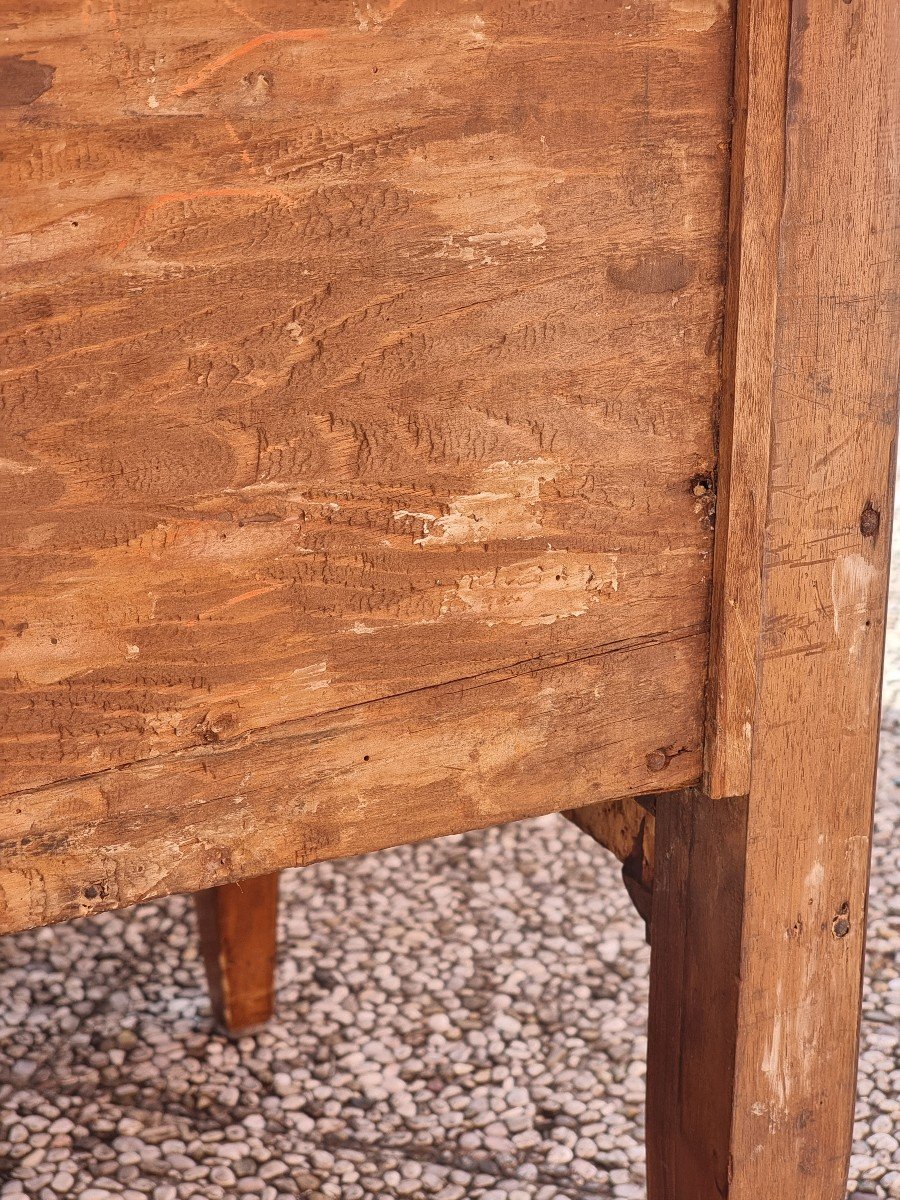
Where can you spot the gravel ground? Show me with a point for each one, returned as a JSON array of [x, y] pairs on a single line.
[[462, 1020]]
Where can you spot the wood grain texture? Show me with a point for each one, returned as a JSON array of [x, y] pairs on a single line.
[[442, 760], [351, 352], [698, 904], [755, 211], [792, 946], [238, 924]]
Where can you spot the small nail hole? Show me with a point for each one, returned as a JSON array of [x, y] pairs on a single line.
[[840, 926], [870, 520]]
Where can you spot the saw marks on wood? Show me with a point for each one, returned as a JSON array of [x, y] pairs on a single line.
[[350, 350]]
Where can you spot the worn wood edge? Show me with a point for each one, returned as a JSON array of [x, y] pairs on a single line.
[[357, 781], [748, 347], [613, 823], [625, 826]]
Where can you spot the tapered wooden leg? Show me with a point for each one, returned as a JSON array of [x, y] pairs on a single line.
[[237, 924]]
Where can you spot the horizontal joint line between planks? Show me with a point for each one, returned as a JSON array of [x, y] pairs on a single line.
[[285, 730]]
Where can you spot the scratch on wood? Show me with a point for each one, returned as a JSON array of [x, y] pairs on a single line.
[[214, 193], [263, 39], [22, 80]]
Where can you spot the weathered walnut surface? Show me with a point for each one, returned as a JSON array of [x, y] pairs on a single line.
[[359, 375]]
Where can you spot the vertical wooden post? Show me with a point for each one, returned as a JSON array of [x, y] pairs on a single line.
[[698, 905], [237, 924], [761, 876]]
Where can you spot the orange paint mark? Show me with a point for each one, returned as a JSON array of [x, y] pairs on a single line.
[[263, 39], [198, 194], [86, 13], [236, 138], [251, 595]]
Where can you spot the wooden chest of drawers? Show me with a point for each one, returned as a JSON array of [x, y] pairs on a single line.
[[423, 414]]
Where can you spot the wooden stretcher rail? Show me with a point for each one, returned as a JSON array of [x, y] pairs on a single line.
[[446, 760]]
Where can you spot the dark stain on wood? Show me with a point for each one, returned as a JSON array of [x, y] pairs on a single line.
[[870, 520], [22, 80], [651, 274]]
